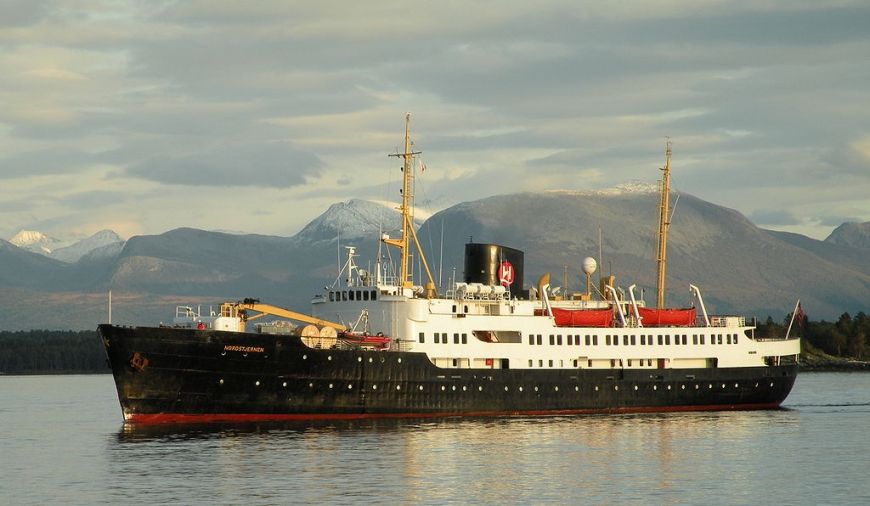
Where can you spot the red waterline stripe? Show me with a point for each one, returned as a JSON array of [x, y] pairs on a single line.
[[157, 418]]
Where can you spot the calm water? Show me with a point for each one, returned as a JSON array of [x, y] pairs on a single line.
[[62, 441]]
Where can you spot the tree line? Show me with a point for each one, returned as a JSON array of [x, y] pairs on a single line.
[[846, 337], [66, 351], [51, 352]]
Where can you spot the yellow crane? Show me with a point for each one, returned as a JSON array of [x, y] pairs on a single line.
[[240, 310]]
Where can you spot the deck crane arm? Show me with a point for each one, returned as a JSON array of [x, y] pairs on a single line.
[[240, 309]]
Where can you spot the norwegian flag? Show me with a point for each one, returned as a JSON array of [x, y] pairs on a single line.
[[422, 166], [800, 316]]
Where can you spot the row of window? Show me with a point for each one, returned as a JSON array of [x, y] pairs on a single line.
[[441, 337], [353, 295], [592, 339], [627, 340]]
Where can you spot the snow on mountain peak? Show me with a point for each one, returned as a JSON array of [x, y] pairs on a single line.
[[38, 242], [34, 241]]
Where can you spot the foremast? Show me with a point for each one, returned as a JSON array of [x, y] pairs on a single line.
[[407, 210], [664, 224]]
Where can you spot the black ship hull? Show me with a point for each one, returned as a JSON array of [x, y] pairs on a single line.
[[179, 375]]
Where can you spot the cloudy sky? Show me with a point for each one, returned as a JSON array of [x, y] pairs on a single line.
[[146, 116]]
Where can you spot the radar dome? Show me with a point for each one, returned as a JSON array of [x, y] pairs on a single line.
[[589, 265]]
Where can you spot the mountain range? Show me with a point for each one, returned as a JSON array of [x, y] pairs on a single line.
[[740, 267]]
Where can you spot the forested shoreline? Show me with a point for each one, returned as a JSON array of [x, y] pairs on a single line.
[[841, 345], [52, 352]]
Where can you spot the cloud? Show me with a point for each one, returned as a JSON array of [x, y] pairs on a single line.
[[265, 164], [95, 198], [776, 217]]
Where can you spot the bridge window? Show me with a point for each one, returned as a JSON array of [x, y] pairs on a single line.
[[331, 296], [570, 340], [455, 338], [607, 339], [702, 339], [539, 340], [464, 338], [694, 338], [422, 337], [625, 340], [594, 339], [661, 339], [719, 339], [735, 338], [633, 340], [365, 295], [540, 363], [559, 339], [531, 339], [343, 295], [350, 294], [552, 339], [531, 362], [587, 339], [374, 295], [551, 363], [643, 339]]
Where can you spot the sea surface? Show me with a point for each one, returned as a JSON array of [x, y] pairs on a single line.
[[62, 441]]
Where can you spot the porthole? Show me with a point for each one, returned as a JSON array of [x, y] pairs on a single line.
[[723, 385], [505, 389], [330, 385], [221, 381], [736, 385], [370, 360], [480, 389], [359, 359], [536, 389], [311, 385], [382, 360], [655, 387], [257, 383], [454, 388], [576, 389], [669, 387], [682, 387], [374, 387], [635, 387], [756, 384], [304, 357], [400, 360], [398, 387], [464, 389], [329, 357], [521, 389], [771, 383], [443, 388], [285, 384], [596, 388], [223, 353], [616, 387], [556, 389], [696, 386], [710, 386], [349, 386], [421, 388]]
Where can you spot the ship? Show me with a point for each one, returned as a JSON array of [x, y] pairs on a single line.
[[379, 344]]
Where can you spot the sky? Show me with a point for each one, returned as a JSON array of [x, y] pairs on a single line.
[[142, 117]]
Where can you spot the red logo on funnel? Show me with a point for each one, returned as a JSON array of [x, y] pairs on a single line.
[[505, 273]]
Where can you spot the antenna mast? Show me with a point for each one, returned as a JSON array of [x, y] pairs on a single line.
[[664, 224], [407, 210]]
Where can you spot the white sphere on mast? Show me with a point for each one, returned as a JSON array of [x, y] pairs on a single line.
[[589, 265]]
